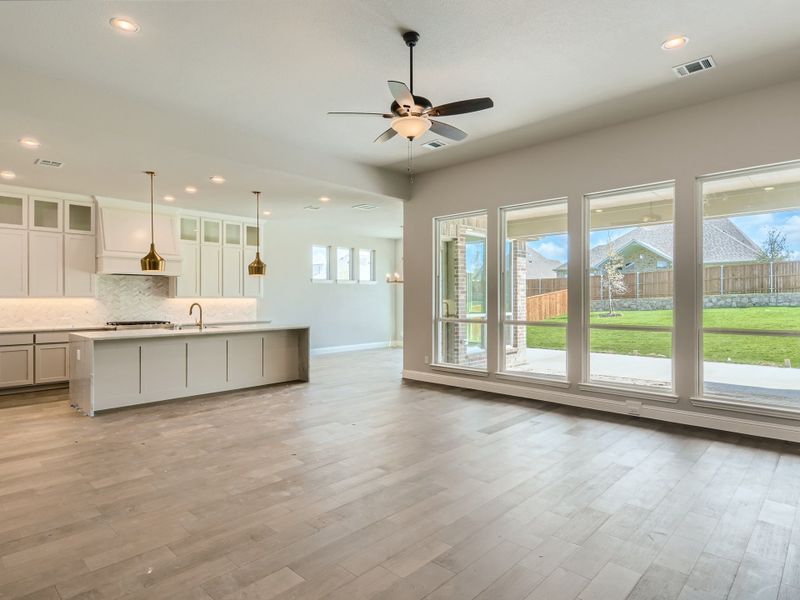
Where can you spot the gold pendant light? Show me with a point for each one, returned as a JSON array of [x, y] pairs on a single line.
[[152, 261], [257, 267]]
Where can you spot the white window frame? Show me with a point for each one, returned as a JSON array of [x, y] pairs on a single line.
[[700, 397], [587, 384], [438, 319], [503, 372], [351, 271], [327, 264], [371, 279]]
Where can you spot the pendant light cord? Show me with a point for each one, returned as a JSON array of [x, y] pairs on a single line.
[[152, 227], [258, 221]]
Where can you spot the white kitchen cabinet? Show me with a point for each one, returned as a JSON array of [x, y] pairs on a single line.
[[14, 266], [79, 217], [79, 265], [252, 283], [45, 264], [51, 363], [16, 366], [232, 272], [212, 231], [210, 271], [46, 214], [13, 211], [187, 285]]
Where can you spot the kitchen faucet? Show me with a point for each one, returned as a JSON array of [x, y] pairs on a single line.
[[191, 308]]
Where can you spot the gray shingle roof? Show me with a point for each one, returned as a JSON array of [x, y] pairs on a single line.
[[540, 267], [723, 242]]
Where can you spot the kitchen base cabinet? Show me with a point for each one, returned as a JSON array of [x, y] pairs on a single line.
[[51, 363], [111, 369], [16, 366]]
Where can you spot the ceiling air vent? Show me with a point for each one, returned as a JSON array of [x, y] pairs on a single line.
[[434, 144], [43, 162], [690, 68], [364, 206], [311, 207]]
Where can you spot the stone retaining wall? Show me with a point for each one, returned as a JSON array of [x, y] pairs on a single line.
[[722, 301]]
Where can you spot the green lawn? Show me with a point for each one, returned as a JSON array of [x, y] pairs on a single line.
[[716, 347]]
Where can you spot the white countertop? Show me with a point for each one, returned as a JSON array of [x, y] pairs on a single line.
[[132, 334]]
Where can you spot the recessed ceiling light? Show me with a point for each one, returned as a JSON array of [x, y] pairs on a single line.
[[30, 142], [216, 179], [598, 210], [673, 43], [324, 199], [190, 189], [769, 188], [8, 174], [124, 24], [169, 198], [267, 213]]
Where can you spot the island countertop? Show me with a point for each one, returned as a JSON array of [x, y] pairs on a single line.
[[136, 334]]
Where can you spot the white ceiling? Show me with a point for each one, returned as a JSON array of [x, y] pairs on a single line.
[[241, 88]]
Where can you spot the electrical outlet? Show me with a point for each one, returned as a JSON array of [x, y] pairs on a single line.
[[633, 407]]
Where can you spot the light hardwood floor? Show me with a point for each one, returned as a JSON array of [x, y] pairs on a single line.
[[357, 486]]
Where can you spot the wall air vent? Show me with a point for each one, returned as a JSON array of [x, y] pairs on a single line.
[[690, 68], [434, 144], [43, 162], [364, 206]]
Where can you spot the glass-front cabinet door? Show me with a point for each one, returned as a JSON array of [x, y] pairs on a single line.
[[251, 236], [190, 229], [13, 211], [46, 214], [233, 234], [212, 231], [78, 217]]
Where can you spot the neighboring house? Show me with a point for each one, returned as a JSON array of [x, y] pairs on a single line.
[[539, 267], [650, 247]]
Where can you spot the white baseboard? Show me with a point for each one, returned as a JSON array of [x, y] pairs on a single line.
[[349, 348], [778, 431]]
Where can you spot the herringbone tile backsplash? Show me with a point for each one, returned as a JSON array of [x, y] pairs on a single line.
[[120, 298]]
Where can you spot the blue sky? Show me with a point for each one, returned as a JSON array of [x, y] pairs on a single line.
[[755, 226]]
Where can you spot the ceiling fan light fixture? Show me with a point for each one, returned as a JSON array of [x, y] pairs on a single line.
[[410, 126]]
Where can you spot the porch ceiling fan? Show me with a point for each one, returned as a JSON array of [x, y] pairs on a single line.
[[411, 115]]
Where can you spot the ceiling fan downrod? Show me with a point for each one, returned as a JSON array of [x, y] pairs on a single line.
[[411, 38]]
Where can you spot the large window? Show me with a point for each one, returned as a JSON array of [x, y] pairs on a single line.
[[460, 312], [366, 265], [629, 262], [344, 264], [751, 285], [320, 270], [534, 284]]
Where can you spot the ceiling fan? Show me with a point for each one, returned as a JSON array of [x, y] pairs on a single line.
[[411, 115]]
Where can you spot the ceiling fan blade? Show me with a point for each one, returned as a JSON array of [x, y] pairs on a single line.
[[339, 112], [461, 107], [401, 93], [448, 131], [386, 135]]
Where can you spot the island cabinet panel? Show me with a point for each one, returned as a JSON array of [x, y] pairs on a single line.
[[245, 360], [283, 356], [163, 369], [206, 369], [116, 374]]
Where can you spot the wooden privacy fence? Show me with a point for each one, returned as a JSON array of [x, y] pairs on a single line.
[[546, 306], [750, 278]]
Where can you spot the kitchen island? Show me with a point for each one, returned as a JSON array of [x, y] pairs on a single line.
[[112, 369]]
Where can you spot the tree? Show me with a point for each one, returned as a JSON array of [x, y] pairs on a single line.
[[613, 278], [774, 248]]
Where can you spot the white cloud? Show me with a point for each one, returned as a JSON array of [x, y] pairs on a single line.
[[551, 250]]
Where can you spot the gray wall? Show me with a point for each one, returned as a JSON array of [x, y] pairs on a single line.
[[339, 314], [745, 130]]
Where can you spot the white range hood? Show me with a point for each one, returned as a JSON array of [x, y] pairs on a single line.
[[123, 238]]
